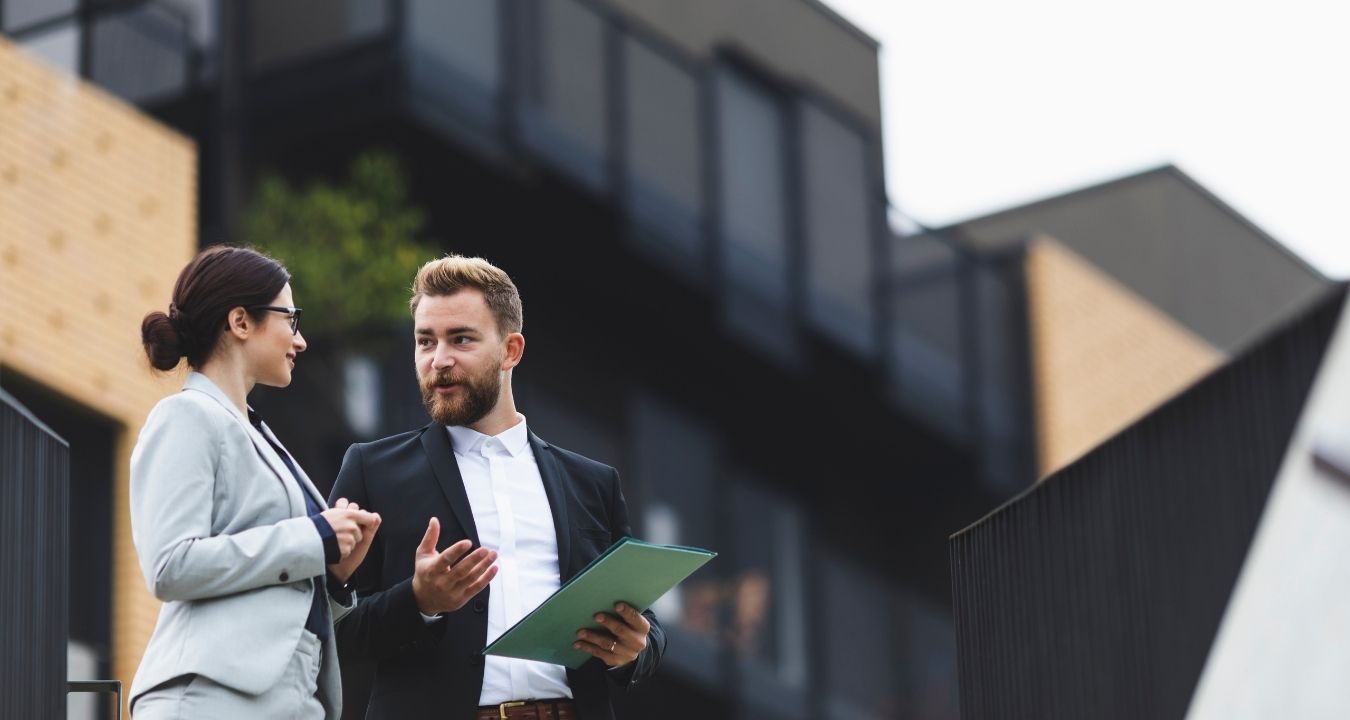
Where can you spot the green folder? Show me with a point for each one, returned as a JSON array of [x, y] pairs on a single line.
[[630, 571]]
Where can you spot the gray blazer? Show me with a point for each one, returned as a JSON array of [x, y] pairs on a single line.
[[224, 541]]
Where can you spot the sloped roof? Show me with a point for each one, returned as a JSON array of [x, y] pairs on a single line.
[[1170, 240]]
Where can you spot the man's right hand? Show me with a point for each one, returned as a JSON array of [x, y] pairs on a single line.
[[444, 581]]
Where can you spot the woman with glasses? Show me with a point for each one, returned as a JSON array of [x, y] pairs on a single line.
[[248, 559]]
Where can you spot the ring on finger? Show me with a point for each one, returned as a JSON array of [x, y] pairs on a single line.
[[613, 645]]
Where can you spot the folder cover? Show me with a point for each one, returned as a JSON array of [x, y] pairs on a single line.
[[630, 571]]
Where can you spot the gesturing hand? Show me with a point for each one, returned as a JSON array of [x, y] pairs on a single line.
[[622, 638], [352, 543], [444, 581]]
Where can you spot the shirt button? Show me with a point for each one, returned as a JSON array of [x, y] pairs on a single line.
[[285, 576]]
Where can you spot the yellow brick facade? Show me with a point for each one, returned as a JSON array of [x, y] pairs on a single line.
[[97, 216], [1102, 357]]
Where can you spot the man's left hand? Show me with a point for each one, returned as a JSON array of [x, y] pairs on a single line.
[[622, 638]]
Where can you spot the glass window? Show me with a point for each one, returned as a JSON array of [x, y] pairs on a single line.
[[676, 464], [860, 655], [927, 351], [1003, 357], [563, 87], [453, 55], [58, 46], [663, 151], [929, 647], [285, 31], [838, 225], [753, 213], [766, 602], [141, 54], [19, 14]]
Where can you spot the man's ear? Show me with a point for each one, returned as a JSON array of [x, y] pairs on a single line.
[[515, 350], [239, 323]]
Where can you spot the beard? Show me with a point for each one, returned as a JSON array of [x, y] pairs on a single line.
[[477, 396]]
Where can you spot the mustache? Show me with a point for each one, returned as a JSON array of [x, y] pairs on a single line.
[[444, 380]]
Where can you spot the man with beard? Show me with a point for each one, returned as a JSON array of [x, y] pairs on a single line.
[[482, 520]]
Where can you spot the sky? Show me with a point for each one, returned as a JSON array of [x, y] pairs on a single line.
[[989, 105]]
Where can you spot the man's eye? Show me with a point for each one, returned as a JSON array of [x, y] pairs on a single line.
[[463, 340], [424, 342]]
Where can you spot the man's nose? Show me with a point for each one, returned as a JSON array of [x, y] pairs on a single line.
[[442, 358]]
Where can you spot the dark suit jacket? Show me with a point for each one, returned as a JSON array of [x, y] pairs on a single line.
[[436, 669]]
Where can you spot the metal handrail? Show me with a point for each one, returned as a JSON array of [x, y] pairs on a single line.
[[98, 686]]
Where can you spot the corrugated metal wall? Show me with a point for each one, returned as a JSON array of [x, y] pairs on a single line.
[[1098, 592], [34, 475]]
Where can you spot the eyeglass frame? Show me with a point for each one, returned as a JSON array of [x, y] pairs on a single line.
[[293, 312]]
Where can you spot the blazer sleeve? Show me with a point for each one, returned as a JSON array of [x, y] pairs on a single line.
[[175, 468], [646, 663], [386, 621]]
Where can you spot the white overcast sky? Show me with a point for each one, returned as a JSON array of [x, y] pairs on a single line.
[[993, 104]]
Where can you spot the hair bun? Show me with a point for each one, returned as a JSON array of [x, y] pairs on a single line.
[[162, 340]]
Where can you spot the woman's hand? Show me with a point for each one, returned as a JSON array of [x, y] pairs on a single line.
[[355, 529]]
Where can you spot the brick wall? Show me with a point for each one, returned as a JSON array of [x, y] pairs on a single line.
[[1102, 356], [97, 216]]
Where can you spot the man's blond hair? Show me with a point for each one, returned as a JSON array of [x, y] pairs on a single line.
[[452, 273]]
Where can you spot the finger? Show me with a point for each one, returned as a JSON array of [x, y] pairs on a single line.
[[483, 580], [633, 618], [340, 504], [627, 635], [598, 648], [473, 565], [350, 505], [428, 544], [452, 554]]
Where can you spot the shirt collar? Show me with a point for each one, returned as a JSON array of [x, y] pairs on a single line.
[[465, 440]]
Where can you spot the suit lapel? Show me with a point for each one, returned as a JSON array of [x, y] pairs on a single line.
[[555, 487], [201, 383], [436, 443]]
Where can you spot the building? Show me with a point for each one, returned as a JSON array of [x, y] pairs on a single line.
[[702, 187]]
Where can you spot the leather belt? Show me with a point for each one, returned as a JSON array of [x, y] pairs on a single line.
[[560, 709]]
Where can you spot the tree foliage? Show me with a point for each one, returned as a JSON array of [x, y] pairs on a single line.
[[352, 249]]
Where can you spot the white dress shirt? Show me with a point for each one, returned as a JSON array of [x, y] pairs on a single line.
[[511, 510]]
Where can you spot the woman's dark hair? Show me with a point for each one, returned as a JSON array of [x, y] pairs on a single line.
[[218, 280]]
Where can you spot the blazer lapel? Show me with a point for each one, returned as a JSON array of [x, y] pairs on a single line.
[[201, 383], [436, 443], [304, 478], [555, 487]]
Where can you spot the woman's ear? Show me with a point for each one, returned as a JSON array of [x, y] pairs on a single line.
[[239, 323]]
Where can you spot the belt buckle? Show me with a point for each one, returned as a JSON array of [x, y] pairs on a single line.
[[501, 709]]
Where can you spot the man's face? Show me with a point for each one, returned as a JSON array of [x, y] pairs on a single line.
[[460, 357]]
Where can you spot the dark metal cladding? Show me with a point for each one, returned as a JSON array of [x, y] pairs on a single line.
[[34, 476], [1098, 592]]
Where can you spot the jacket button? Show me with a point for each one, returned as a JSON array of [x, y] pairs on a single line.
[[285, 576], [479, 606]]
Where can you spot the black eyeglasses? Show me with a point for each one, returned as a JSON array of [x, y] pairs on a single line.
[[292, 314]]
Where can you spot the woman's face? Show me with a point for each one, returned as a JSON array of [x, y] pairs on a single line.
[[272, 350]]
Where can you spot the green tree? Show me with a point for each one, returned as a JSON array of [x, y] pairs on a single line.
[[352, 249]]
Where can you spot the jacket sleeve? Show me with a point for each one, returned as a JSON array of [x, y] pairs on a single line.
[[386, 621], [646, 663], [175, 472]]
